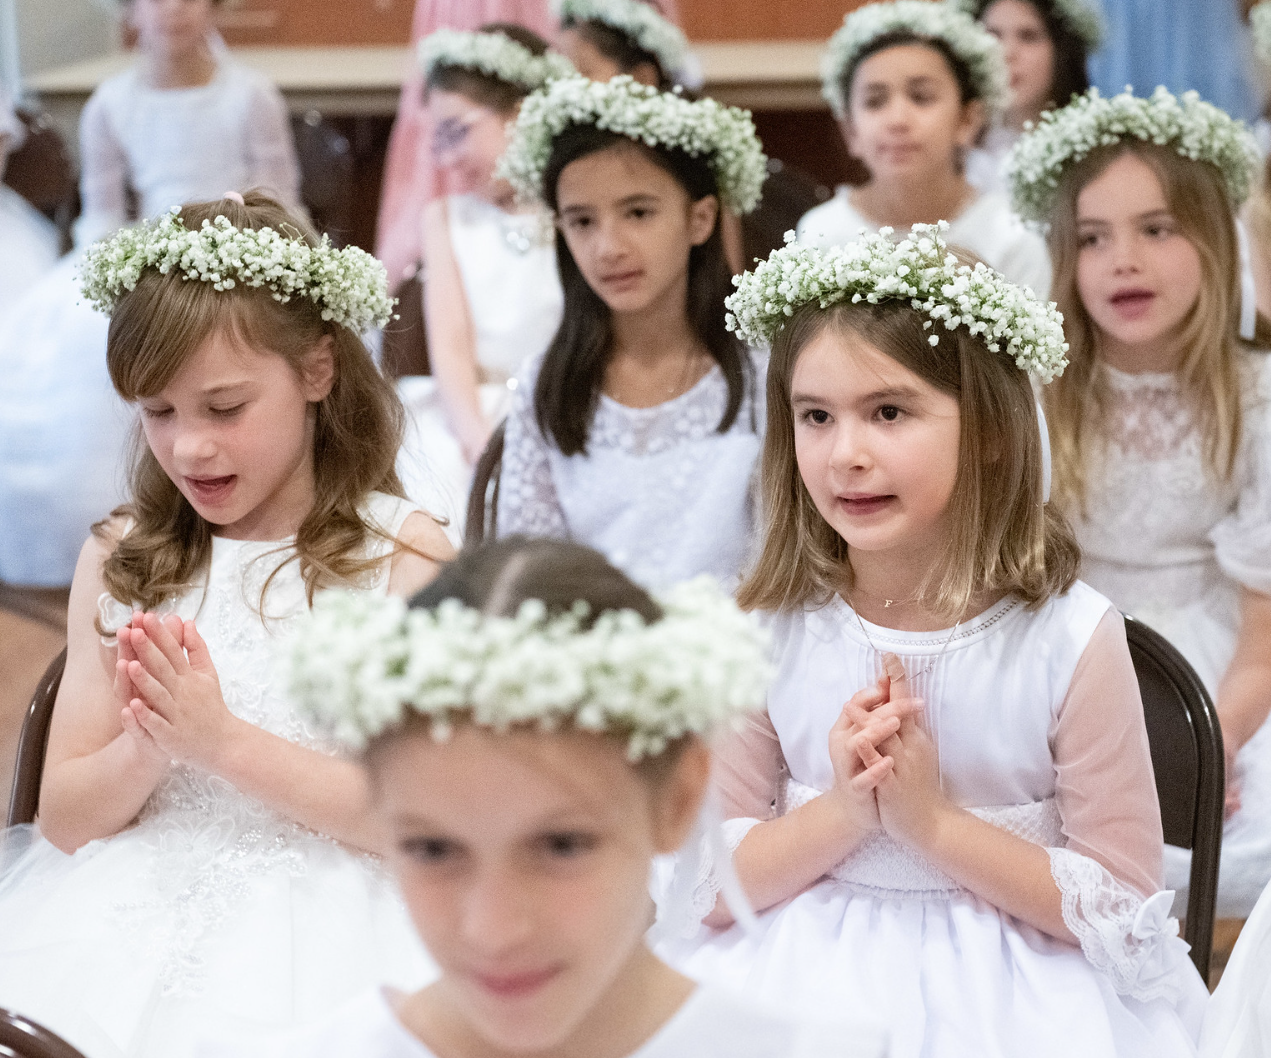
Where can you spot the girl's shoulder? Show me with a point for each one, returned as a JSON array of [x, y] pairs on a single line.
[[832, 223]]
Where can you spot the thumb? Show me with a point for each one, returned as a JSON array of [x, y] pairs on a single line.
[[897, 675], [196, 650]]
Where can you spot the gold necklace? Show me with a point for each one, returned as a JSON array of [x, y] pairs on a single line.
[[878, 650]]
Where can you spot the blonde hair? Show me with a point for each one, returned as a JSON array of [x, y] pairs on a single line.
[[1003, 538], [1210, 373], [154, 330]]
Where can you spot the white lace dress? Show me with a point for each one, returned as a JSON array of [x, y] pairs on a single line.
[[660, 491], [507, 262], [1169, 542], [1035, 734], [212, 913]]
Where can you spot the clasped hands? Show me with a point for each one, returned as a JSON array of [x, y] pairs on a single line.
[[168, 692], [886, 773]]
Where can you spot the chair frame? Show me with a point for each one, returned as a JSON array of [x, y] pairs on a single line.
[[483, 498], [24, 1038], [32, 744], [1207, 818]]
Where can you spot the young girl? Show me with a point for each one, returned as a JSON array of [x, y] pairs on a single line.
[[183, 124], [639, 430], [491, 295], [197, 857], [1160, 427], [605, 38], [911, 84], [969, 847], [1046, 43], [532, 892]]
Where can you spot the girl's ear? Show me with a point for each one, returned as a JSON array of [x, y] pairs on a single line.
[[702, 216], [974, 118], [646, 73], [679, 797], [317, 375]]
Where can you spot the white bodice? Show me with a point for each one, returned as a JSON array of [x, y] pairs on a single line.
[[660, 491], [179, 145], [986, 227], [1159, 531], [507, 262], [986, 164]]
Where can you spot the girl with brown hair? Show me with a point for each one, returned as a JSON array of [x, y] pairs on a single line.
[[1161, 425], [198, 858], [946, 816]]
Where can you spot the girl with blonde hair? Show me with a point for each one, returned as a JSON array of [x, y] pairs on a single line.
[[199, 857], [1161, 426], [946, 816]]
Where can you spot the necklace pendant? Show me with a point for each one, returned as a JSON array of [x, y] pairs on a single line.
[[887, 603]]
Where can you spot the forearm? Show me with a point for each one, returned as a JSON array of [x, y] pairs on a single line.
[[73, 809], [1244, 700], [324, 793], [781, 858], [1006, 871], [459, 383]]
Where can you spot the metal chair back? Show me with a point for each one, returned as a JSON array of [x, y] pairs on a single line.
[[34, 740], [483, 498], [22, 1038]]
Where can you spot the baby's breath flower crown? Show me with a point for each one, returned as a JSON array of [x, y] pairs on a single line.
[[1260, 21], [1081, 17], [491, 53], [965, 37], [919, 270], [725, 136], [640, 22], [1190, 126], [349, 285], [360, 664]]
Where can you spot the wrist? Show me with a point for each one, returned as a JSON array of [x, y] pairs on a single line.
[[231, 749]]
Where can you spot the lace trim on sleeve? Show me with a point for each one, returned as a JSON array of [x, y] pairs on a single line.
[[527, 494], [1131, 940]]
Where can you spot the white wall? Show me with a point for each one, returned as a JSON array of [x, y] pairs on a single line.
[[55, 32]]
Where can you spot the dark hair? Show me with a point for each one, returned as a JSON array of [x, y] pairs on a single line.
[[484, 88], [1071, 54], [496, 577], [573, 369], [967, 88], [618, 47]]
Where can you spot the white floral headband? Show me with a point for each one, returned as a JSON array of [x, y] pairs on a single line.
[[640, 22], [918, 270], [1082, 17], [964, 36], [1260, 22], [1188, 125], [360, 664], [348, 285], [491, 53], [724, 136]]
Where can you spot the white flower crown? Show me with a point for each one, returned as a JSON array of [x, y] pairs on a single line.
[[1192, 127], [641, 22], [919, 270], [965, 37], [725, 136], [1260, 22], [349, 285], [494, 54], [361, 663], [1082, 17]]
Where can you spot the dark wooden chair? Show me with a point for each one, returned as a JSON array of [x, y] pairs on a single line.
[[405, 348], [326, 174], [1187, 756], [788, 193], [22, 1038], [483, 497], [32, 743], [43, 172]]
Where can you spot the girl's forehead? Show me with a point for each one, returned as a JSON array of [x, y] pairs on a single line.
[[901, 63], [1128, 185], [611, 174]]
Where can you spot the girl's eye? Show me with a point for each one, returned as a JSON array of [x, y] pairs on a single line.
[[1087, 239], [816, 416], [639, 212], [155, 413], [1159, 230], [577, 223], [568, 844], [922, 96], [230, 412], [889, 413], [429, 850]]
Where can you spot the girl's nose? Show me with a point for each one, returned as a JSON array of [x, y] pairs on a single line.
[[193, 445], [497, 917]]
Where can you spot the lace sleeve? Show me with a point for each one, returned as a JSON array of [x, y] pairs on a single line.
[[527, 494], [271, 149], [1242, 540], [104, 179]]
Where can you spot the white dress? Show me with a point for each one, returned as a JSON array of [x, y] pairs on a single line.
[[986, 227], [1238, 1021], [1026, 724], [213, 913], [63, 430], [712, 1023], [507, 263], [28, 240], [986, 164], [659, 491], [1170, 543]]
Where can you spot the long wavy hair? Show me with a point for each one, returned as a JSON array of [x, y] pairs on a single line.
[[160, 544], [1003, 538], [573, 370], [1211, 371]]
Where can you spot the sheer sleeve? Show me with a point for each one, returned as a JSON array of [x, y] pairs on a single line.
[[1109, 871], [527, 494], [104, 177], [748, 766], [1242, 540], [271, 148]]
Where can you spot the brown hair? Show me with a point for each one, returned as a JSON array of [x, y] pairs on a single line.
[[1211, 373], [486, 89], [1003, 538], [154, 330]]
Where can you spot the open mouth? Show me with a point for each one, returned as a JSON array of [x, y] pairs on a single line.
[[211, 490], [1132, 302], [861, 505]]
